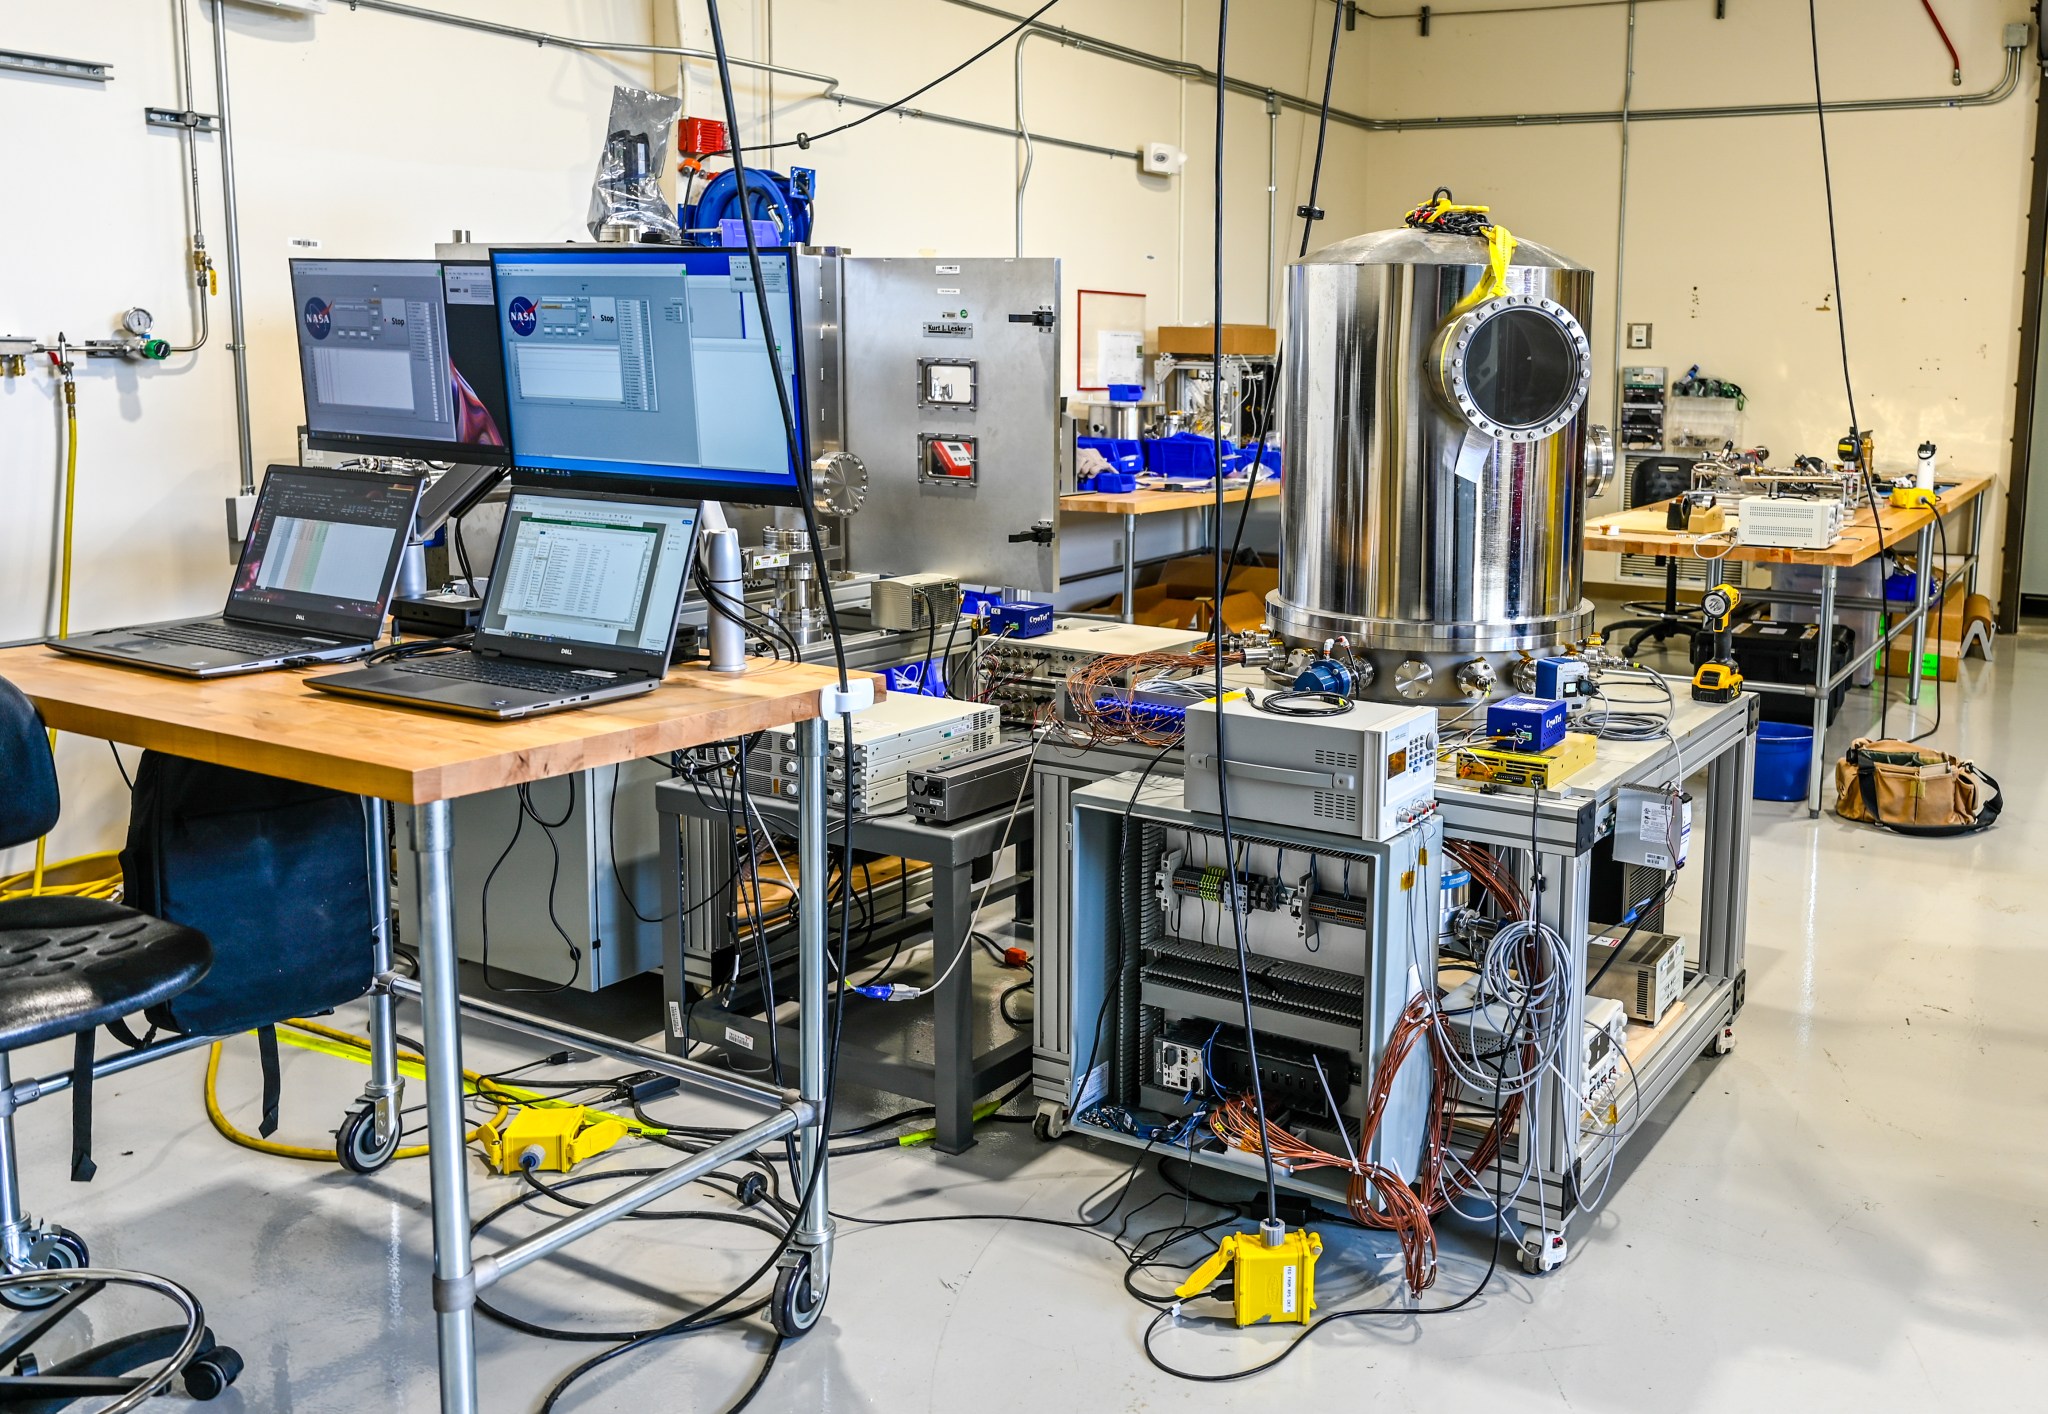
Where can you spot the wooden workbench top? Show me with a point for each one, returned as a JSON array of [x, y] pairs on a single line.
[[272, 723], [1640, 531], [1141, 502]]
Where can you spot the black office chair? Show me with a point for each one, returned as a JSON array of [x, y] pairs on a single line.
[[1657, 479], [67, 967]]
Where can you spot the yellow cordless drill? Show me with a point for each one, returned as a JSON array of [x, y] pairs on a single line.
[[1716, 679]]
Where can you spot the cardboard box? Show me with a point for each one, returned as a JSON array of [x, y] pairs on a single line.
[[1193, 575], [1199, 340], [1241, 612]]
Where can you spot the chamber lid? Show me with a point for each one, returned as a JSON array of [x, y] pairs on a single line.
[[1407, 246]]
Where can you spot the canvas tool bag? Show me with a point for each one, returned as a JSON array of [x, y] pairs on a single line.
[[1914, 791]]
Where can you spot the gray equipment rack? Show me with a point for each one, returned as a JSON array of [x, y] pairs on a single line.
[[1565, 825], [696, 833]]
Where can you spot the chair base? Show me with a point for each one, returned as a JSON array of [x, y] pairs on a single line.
[[186, 1352], [1645, 629]]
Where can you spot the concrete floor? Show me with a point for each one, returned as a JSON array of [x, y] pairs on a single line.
[[1844, 1214]]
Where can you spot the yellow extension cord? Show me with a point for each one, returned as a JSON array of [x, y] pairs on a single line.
[[95, 875], [347, 1046]]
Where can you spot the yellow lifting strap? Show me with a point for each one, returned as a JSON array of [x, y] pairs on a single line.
[[1500, 249]]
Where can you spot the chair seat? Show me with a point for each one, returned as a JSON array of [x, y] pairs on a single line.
[[70, 964]]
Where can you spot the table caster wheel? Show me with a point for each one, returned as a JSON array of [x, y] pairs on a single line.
[[1546, 1255], [1049, 1123], [54, 1249], [355, 1143], [1724, 1041], [795, 1305], [209, 1375]]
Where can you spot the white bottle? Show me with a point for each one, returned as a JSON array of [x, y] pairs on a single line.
[[1924, 477]]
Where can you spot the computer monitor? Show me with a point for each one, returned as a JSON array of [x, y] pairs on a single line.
[[644, 369], [400, 358]]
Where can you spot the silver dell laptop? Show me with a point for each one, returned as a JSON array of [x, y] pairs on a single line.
[[582, 607], [315, 579]]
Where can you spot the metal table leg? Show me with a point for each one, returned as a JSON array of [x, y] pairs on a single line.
[[1824, 680], [1976, 536], [1130, 566], [385, 1093], [813, 1242], [1723, 912], [447, 1137], [952, 1007], [1924, 551]]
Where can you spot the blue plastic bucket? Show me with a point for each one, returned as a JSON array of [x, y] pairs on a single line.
[[1784, 761]]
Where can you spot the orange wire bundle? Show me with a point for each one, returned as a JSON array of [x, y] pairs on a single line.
[[1377, 1196], [1108, 679]]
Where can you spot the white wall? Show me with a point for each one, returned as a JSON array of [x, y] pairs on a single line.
[[1727, 253], [374, 134], [901, 186], [378, 134]]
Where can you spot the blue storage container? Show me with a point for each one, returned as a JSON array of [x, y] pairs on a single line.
[[1184, 454], [1126, 392], [1123, 453], [1269, 458], [1784, 761]]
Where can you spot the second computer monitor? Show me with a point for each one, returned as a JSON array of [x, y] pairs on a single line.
[[646, 369], [400, 358]]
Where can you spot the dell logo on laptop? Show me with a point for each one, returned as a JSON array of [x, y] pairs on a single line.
[[300, 617], [565, 653]]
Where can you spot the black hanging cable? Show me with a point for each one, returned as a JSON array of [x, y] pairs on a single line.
[[1236, 898], [1827, 183], [698, 1319], [804, 140], [1311, 213]]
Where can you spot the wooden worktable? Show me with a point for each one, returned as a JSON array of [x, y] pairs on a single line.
[[272, 723], [1640, 531], [1141, 502]]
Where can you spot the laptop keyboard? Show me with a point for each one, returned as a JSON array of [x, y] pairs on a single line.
[[500, 672], [228, 637]]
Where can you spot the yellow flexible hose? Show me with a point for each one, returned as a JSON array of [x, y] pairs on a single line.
[[348, 1046], [95, 875]]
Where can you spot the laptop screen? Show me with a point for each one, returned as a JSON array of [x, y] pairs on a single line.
[[586, 570], [323, 548], [400, 358], [636, 368]]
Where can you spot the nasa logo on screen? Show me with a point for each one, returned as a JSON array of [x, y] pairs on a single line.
[[318, 319], [520, 313]]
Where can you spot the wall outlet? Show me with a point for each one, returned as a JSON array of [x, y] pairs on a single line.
[[1638, 336]]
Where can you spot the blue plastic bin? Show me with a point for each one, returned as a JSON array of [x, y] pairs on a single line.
[[1123, 453], [1269, 458], [1182, 455], [1784, 761], [1126, 392]]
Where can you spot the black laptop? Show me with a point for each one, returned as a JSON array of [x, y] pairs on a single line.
[[582, 608], [314, 581]]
